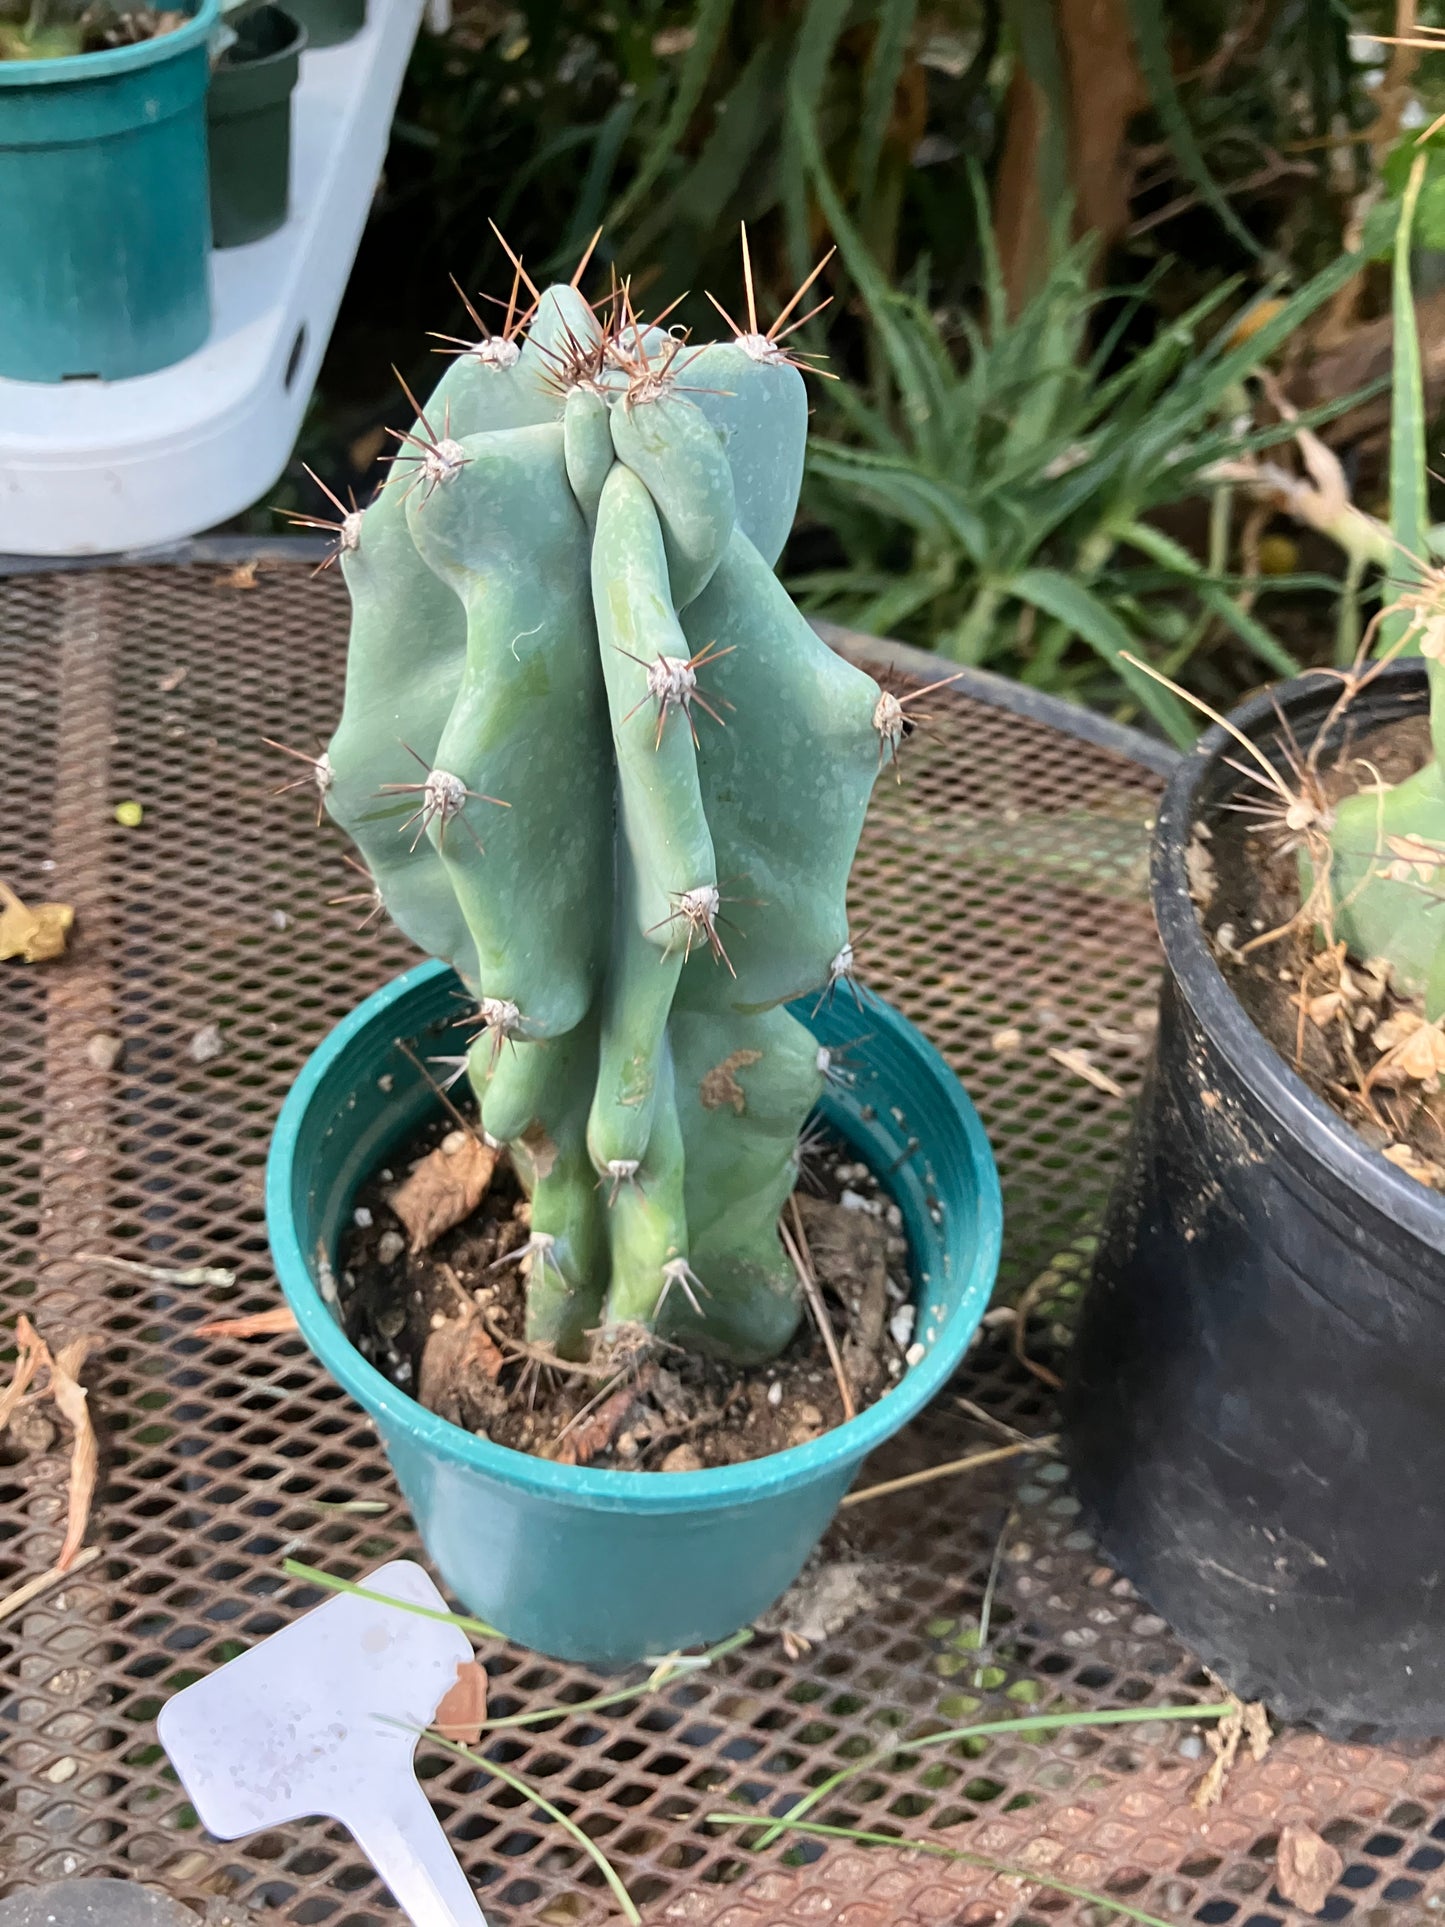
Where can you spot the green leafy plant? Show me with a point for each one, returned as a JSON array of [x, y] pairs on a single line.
[[1000, 509], [596, 759]]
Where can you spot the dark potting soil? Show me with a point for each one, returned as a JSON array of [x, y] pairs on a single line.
[[1331, 1018], [446, 1325]]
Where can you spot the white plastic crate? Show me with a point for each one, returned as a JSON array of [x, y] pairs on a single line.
[[95, 467]]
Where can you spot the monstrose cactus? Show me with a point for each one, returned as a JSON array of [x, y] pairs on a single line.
[[595, 758]]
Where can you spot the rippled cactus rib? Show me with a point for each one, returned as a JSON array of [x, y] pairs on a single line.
[[594, 757]]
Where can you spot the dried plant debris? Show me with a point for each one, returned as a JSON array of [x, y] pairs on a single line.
[[1341, 1021], [53, 29], [444, 1187], [35, 1357], [1306, 1867], [445, 1320], [1243, 1722], [257, 1324], [37, 934], [828, 1595]]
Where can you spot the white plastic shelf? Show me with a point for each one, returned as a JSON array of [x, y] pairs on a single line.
[[97, 467]]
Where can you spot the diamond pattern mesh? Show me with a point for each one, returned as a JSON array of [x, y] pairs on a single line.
[[1000, 902]]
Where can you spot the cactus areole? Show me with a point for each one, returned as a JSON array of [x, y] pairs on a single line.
[[593, 757]]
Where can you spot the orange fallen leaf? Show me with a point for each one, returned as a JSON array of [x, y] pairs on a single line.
[[463, 1706], [256, 1324], [1305, 1867], [444, 1187]]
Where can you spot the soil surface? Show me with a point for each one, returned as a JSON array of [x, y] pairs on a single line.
[[1333, 1019], [446, 1325]]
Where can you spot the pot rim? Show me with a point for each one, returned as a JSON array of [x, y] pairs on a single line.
[[64, 69], [249, 64], [1324, 1134], [676, 1492]]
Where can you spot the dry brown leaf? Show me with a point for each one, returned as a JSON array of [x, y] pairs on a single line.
[[1422, 1170], [1413, 1051], [444, 1187], [69, 1395], [258, 1324], [463, 1706], [42, 1582], [1305, 1867], [597, 1431], [30, 1356], [454, 1357], [35, 935], [1078, 1062]]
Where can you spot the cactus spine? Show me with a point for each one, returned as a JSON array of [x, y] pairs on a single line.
[[593, 756]]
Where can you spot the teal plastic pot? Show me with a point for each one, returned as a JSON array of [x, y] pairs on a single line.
[[105, 227], [329, 22], [600, 1566], [249, 118]]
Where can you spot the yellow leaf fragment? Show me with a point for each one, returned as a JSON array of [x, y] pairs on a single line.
[[35, 935]]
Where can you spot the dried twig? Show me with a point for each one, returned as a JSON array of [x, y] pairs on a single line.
[[29, 1359], [42, 1582], [160, 1274], [1049, 1443], [256, 1324], [797, 1249], [70, 1398], [1025, 1305]]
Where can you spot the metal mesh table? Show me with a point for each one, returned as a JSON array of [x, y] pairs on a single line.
[[999, 900]]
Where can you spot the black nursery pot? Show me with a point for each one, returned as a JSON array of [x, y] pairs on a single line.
[[1256, 1402], [249, 125]]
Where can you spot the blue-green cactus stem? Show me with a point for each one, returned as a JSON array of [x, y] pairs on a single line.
[[632, 781]]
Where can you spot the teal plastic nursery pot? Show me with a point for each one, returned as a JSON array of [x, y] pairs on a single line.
[[105, 228], [249, 120], [600, 1566]]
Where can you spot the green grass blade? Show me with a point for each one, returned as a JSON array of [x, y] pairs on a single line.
[[663, 1675], [518, 1785], [1171, 555], [1060, 596], [937, 1849], [890, 50], [1034, 32], [709, 23], [1025, 1723], [823, 21], [1409, 480], [313, 1576], [1151, 40]]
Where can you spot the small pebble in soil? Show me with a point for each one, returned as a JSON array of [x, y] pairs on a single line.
[[361, 1217], [389, 1247]]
